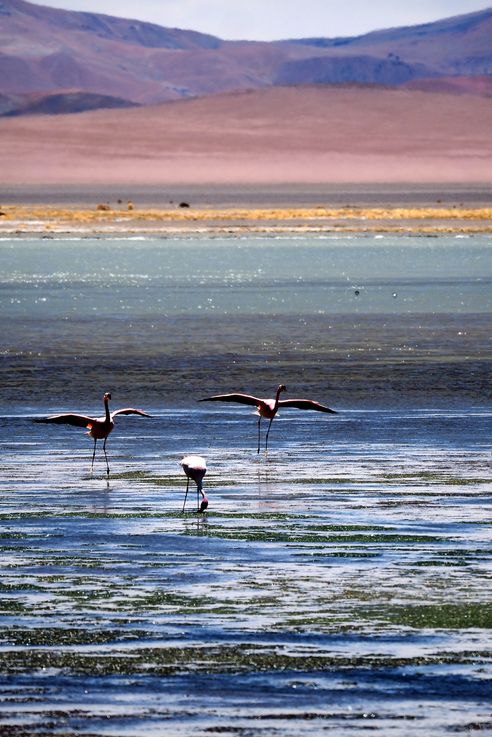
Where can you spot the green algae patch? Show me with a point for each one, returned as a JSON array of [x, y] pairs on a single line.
[[328, 481], [13, 606], [438, 616], [294, 536], [130, 476], [430, 477], [58, 636], [166, 599], [230, 658], [19, 587]]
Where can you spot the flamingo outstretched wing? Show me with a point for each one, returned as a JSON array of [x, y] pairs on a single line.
[[68, 419], [241, 398], [129, 411], [305, 404]]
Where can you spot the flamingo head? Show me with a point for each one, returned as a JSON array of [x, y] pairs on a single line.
[[281, 388], [204, 504], [106, 397]]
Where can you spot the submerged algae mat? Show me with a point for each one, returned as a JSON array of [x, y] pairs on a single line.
[[340, 584]]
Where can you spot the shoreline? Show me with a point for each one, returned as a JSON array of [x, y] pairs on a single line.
[[243, 195], [126, 218]]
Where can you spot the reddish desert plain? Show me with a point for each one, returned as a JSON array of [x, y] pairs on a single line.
[[295, 138]]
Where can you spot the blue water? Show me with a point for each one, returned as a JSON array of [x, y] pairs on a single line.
[[340, 583], [250, 276], [380, 320]]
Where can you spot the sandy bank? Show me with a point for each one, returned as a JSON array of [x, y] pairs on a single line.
[[125, 218]]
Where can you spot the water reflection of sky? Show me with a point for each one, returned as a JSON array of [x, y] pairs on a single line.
[[361, 275]]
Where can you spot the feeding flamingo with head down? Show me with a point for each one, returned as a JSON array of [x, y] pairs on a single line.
[[98, 427], [268, 408], [195, 468]]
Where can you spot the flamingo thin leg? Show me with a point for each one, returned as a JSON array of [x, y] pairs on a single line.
[[106, 457], [186, 495], [93, 455], [268, 431], [259, 421]]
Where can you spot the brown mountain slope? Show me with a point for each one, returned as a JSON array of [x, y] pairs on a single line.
[[46, 50], [313, 134]]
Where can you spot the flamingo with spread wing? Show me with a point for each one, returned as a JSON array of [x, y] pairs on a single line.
[[268, 408], [98, 428]]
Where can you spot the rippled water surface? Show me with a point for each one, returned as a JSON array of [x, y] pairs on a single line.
[[340, 583], [363, 319]]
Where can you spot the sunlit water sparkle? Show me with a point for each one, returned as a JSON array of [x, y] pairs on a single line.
[[340, 583]]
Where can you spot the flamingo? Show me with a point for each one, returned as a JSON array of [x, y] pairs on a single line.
[[268, 408], [98, 427], [195, 467]]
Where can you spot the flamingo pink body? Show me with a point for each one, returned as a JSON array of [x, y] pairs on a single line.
[[268, 408], [98, 428], [195, 468]]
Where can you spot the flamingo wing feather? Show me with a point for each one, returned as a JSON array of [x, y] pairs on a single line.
[[240, 398], [305, 404], [129, 411], [68, 419]]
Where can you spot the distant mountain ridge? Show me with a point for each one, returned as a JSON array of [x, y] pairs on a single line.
[[55, 60], [460, 45]]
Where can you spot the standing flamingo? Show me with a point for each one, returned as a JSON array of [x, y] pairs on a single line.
[[99, 427], [268, 408], [195, 467]]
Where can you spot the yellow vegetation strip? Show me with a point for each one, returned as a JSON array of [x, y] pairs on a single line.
[[276, 214], [423, 219]]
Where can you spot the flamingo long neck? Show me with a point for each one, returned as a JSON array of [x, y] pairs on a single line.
[[277, 397], [106, 410]]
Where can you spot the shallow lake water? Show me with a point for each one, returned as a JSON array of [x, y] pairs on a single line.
[[340, 583], [353, 320]]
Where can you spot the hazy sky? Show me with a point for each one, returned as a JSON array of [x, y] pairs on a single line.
[[274, 19]]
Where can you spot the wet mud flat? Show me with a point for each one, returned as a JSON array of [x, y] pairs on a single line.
[[341, 583]]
